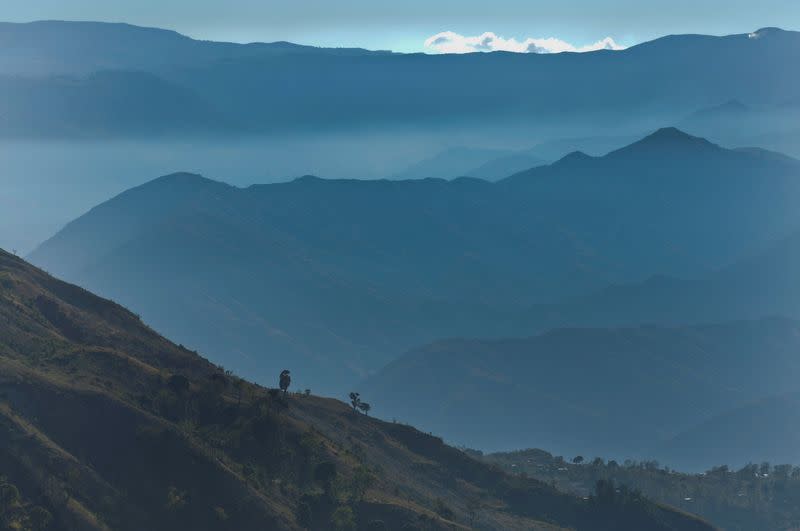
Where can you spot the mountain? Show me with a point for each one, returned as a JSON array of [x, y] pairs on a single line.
[[61, 48], [281, 87], [107, 425], [340, 277], [262, 112], [707, 198], [765, 427], [642, 392]]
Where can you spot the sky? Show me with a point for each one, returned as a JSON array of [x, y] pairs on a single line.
[[406, 25]]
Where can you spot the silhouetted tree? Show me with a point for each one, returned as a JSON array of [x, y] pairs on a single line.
[[365, 407], [284, 381], [578, 459], [355, 400]]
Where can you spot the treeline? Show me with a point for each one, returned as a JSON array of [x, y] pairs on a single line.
[[757, 496]]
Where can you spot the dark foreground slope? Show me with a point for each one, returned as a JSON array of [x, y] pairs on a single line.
[[688, 396], [342, 276], [109, 426]]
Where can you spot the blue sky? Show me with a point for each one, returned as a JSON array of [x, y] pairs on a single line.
[[404, 25]]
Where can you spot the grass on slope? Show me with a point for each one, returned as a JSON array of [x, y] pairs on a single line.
[[111, 426]]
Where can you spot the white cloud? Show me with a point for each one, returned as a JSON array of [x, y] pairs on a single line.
[[451, 42]]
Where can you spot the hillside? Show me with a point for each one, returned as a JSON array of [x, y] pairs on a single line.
[[283, 86], [342, 276], [649, 392], [107, 425]]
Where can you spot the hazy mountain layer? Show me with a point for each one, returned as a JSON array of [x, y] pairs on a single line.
[[339, 277], [280, 86], [690, 397]]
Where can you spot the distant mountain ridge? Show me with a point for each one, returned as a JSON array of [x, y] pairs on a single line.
[[647, 392], [339, 277], [51, 47], [281, 86]]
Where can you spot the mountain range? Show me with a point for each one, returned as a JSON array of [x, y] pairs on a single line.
[[340, 277], [107, 425], [669, 394], [283, 86], [78, 98]]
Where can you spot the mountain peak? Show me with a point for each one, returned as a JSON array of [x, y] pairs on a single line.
[[667, 139], [669, 133], [762, 32], [574, 158], [181, 180]]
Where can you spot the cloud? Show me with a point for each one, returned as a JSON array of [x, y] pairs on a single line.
[[451, 42]]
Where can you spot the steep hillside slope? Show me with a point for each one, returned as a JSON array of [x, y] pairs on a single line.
[[110, 426], [342, 276], [621, 393]]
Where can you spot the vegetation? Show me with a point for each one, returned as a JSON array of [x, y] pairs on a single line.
[[284, 381], [121, 429], [756, 496]]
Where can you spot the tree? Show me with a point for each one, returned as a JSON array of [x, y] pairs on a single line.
[[355, 400], [284, 381], [578, 459], [365, 407]]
